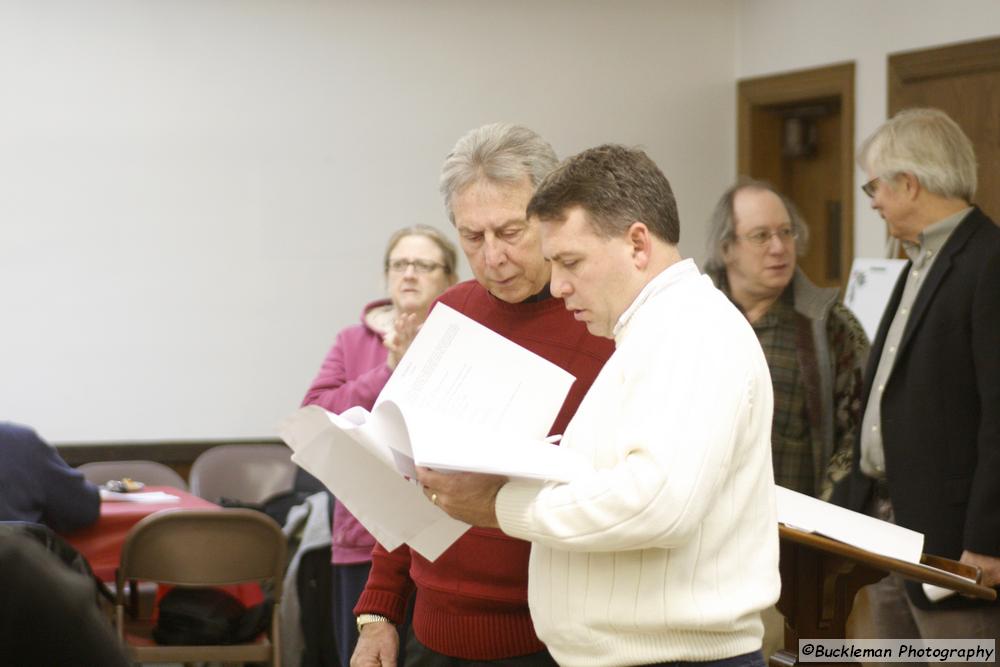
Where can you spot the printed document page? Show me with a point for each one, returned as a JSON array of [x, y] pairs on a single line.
[[445, 444], [458, 368]]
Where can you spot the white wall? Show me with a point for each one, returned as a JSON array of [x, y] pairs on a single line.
[[782, 35], [194, 195]]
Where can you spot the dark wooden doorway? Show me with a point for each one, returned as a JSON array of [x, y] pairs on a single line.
[[963, 80], [796, 130]]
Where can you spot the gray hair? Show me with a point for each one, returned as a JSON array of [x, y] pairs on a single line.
[[722, 225], [498, 153], [448, 255], [928, 144]]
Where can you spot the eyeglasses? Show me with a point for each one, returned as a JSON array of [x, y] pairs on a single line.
[[762, 237], [419, 265], [870, 187]]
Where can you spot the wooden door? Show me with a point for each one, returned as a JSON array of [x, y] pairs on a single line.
[[963, 80], [815, 170]]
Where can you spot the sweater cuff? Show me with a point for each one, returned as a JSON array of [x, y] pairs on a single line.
[[514, 507], [382, 603]]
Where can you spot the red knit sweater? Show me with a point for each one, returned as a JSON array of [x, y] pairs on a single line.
[[472, 602]]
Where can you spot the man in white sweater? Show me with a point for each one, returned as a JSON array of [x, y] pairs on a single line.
[[668, 551]]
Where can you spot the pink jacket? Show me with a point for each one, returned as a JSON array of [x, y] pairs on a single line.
[[353, 373]]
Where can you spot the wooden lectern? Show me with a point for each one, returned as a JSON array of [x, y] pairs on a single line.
[[820, 576]]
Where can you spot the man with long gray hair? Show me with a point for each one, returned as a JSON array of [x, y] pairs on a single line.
[[928, 455], [815, 348], [471, 603]]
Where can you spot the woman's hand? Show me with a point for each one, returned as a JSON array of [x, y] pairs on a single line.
[[397, 340]]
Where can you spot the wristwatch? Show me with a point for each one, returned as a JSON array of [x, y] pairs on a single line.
[[365, 619]]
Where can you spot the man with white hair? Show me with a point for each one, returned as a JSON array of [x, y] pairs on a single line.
[[928, 454], [470, 605]]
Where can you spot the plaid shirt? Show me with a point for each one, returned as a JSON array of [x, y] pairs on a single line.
[[797, 441], [791, 445]]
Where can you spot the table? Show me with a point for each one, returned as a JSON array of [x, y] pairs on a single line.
[[101, 543]]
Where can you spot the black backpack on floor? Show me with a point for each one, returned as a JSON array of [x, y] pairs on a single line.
[[204, 616]]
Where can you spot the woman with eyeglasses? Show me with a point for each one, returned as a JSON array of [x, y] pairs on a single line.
[[419, 266]]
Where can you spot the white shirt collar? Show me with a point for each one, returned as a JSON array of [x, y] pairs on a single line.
[[671, 275]]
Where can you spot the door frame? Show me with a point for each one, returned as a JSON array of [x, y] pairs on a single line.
[[961, 58], [832, 81]]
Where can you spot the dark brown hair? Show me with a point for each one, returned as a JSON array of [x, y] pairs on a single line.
[[616, 186]]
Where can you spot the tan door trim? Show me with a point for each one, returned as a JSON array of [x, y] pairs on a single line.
[[963, 58]]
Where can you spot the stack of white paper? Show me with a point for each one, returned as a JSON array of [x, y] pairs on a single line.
[[462, 398], [815, 516], [881, 537]]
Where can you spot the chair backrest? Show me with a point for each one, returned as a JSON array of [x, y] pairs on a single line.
[[196, 547], [251, 473], [150, 473], [201, 548]]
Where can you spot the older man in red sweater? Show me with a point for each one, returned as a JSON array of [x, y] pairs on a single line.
[[471, 603]]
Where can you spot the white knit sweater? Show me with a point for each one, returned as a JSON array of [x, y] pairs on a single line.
[[670, 549]]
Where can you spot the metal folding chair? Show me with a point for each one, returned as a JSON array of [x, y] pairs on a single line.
[[200, 548]]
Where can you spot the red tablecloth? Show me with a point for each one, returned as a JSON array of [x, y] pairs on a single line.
[[102, 542]]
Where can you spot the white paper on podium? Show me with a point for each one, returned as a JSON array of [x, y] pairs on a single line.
[[462, 398], [815, 516], [887, 539], [869, 288]]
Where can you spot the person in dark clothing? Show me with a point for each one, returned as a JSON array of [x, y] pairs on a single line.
[[48, 612], [37, 485], [927, 455]]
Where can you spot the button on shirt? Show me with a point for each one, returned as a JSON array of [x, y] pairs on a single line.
[[922, 255]]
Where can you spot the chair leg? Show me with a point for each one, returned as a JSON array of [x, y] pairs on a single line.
[[276, 636]]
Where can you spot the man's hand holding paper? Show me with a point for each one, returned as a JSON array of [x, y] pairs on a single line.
[[467, 496]]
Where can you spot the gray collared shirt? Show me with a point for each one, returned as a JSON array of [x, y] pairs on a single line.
[[922, 255]]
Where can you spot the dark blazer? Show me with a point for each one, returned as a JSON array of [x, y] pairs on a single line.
[[941, 404]]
